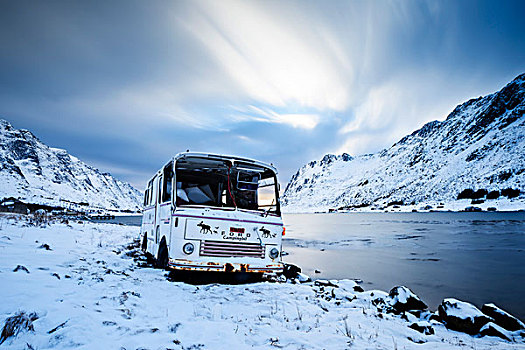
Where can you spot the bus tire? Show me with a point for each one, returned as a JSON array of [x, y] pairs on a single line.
[[162, 256]]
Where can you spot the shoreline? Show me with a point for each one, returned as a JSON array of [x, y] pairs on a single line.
[[458, 206]]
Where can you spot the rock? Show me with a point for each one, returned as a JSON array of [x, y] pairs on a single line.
[[290, 271], [340, 294], [492, 209], [510, 192], [358, 289], [301, 277], [403, 299], [409, 317], [493, 330], [325, 283], [317, 271], [422, 327], [493, 195], [350, 285], [435, 318], [502, 318], [45, 246], [473, 209], [21, 268], [461, 316], [466, 194], [14, 324]]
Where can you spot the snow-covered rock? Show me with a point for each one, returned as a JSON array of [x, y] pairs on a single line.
[[493, 330], [462, 316], [403, 299], [423, 327], [502, 318], [480, 146], [36, 173]]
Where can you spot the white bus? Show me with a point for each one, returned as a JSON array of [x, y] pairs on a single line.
[[209, 212]]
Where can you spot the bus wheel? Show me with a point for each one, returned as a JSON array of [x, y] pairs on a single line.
[[144, 246], [162, 256]]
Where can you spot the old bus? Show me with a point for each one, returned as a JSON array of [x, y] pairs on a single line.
[[209, 212]]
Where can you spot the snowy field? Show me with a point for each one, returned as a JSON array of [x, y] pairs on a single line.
[[88, 292]]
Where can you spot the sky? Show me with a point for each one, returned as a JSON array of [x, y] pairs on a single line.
[[125, 85]]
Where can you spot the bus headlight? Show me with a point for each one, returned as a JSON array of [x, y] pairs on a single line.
[[274, 253], [188, 248]]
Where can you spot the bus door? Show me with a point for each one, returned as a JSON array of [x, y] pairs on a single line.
[[158, 194], [164, 203]]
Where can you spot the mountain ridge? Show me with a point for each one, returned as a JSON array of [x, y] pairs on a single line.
[[36, 173], [480, 144]]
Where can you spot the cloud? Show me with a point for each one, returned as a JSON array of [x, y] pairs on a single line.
[[296, 120], [269, 60], [128, 84]]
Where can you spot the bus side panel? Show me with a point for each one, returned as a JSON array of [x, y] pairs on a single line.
[[148, 223], [177, 238], [164, 220]]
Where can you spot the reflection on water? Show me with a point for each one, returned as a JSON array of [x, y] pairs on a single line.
[[477, 257]]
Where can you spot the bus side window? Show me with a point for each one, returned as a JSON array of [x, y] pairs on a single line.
[[159, 194], [150, 192], [167, 183]]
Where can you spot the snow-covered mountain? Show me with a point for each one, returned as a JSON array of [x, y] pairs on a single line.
[[480, 145], [36, 173]]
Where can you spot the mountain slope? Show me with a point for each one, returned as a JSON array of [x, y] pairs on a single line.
[[37, 173], [481, 144]]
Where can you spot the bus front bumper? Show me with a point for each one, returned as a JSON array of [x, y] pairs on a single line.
[[187, 265]]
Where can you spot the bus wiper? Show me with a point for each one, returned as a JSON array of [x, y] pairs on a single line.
[[267, 211]]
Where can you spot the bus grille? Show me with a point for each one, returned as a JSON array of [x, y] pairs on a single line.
[[228, 249]]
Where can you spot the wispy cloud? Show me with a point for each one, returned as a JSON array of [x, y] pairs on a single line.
[[269, 59], [265, 115]]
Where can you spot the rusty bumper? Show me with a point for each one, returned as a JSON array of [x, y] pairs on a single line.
[[187, 265]]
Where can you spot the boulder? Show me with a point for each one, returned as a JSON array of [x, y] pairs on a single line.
[[422, 327], [502, 318], [461, 316], [325, 283], [301, 277], [493, 330], [470, 209], [403, 299], [290, 271], [351, 285]]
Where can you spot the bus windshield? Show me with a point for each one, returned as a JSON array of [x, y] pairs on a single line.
[[223, 183]]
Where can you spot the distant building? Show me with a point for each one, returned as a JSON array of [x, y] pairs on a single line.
[[13, 205]]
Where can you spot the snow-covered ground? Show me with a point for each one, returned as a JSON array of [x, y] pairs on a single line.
[[99, 298]]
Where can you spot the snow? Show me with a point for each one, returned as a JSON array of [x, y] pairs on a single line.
[[103, 299], [481, 145]]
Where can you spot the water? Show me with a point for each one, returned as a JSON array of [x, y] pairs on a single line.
[[130, 220], [476, 257]]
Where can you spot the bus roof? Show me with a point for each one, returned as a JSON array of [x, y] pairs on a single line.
[[223, 157]]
